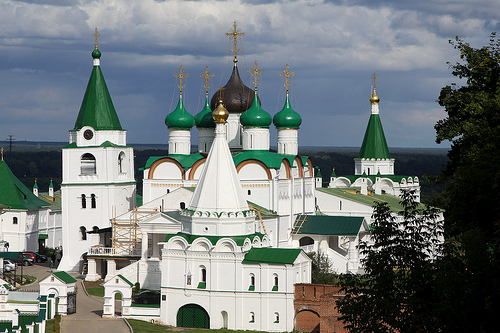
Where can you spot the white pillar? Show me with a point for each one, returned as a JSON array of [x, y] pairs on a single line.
[[91, 271], [144, 246], [111, 268], [352, 256], [156, 248]]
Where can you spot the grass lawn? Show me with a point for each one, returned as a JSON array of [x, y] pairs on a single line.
[[140, 326]]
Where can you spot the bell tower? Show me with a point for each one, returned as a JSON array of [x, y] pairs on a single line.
[[98, 171]]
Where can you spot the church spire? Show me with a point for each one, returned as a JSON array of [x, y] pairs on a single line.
[[97, 110]]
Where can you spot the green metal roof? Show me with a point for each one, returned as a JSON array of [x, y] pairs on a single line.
[[97, 108], [65, 277], [287, 117], [327, 225], [264, 212], [104, 144], [265, 255], [179, 118], [240, 240], [353, 178], [204, 118], [256, 116], [186, 161], [369, 200], [126, 280], [374, 143], [271, 160], [14, 194]]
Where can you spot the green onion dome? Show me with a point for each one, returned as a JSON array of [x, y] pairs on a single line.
[[96, 54], [287, 117], [179, 118], [255, 116], [204, 118]]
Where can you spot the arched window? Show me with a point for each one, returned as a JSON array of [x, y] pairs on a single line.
[[203, 274], [340, 205], [88, 165], [306, 241], [92, 200], [183, 205], [14, 220], [252, 282], [252, 317], [84, 201], [168, 191], [276, 317], [121, 158], [249, 192], [83, 231], [95, 229], [275, 287]]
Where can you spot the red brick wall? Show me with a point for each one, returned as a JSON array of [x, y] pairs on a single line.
[[317, 301]]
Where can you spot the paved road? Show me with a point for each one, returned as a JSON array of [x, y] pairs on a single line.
[[88, 316]]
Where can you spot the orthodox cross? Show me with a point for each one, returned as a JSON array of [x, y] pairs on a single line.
[[181, 75], [256, 72], [96, 36], [207, 77], [287, 74], [234, 35], [374, 78]]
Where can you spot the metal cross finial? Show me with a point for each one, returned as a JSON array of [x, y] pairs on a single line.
[[234, 35], [2, 153], [207, 77], [256, 72], [181, 75], [287, 74], [374, 78], [96, 36]]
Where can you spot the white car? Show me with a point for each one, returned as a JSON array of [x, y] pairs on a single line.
[[8, 265]]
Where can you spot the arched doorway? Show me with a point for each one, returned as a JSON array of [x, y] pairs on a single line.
[[117, 302], [193, 315], [307, 321]]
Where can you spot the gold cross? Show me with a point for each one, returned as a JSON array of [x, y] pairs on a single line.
[[256, 72], [181, 75], [374, 78], [234, 35], [207, 77], [96, 36], [287, 74]]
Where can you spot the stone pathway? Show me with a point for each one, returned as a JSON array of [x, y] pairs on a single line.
[[88, 316]]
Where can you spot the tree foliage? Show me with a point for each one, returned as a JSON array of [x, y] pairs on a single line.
[[397, 289], [322, 269]]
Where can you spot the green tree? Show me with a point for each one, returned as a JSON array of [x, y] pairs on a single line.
[[397, 291], [322, 269], [469, 274]]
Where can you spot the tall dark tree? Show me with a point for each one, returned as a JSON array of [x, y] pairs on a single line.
[[469, 275], [397, 291]]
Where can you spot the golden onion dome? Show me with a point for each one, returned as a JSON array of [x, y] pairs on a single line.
[[220, 113], [374, 99]]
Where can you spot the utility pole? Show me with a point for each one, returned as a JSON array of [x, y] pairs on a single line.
[[10, 143]]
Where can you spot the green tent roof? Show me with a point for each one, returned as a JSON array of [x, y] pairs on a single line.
[[374, 143], [14, 194], [327, 225], [65, 277], [97, 108], [274, 256]]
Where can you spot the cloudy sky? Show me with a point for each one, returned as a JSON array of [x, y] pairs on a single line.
[[333, 47]]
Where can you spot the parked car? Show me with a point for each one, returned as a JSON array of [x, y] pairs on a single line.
[[147, 297], [37, 256], [28, 260], [8, 265]]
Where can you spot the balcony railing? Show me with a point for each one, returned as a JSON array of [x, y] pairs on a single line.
[[111, 251]]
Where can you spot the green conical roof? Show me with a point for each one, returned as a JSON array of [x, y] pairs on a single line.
[[51, 184], [255, 116], [287, 117], [179, 118], [14, 194], [97, 108], [204, 118], [374, 144]]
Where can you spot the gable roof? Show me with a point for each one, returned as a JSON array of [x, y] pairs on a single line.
[[274, 256], [14, 194], [65, 277], [327, 225]]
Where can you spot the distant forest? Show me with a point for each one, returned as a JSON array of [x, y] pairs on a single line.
[[45, 163]]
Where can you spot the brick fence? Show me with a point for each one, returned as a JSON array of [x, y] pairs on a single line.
[[315, 308]]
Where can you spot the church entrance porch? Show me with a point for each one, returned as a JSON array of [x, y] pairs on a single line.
[[193, 315]]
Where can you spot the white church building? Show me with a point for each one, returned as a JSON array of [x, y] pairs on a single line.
[[223, 232]]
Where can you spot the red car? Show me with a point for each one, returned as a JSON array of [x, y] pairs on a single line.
[[29, 255]]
